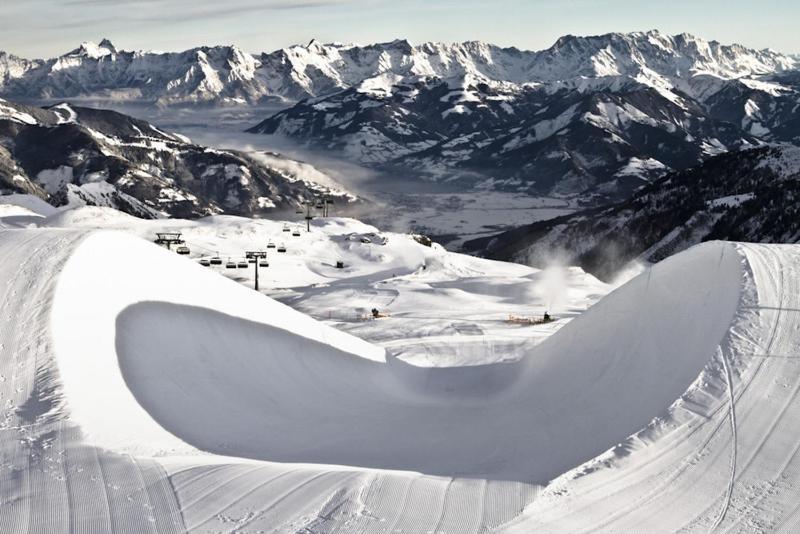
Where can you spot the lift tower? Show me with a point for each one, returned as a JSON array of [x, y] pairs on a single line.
[[326, 205], [308, 205], [169, 239], [256, 255]]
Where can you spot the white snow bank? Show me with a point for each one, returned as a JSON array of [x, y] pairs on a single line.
[[724, 459], [112, 271], [232, 372], [91, 217], [26, 205]]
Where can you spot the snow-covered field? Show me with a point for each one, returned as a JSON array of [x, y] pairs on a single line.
[[143, 392]]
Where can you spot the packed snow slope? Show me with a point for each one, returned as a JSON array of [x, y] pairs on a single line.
[[443, 308], [668, 405]]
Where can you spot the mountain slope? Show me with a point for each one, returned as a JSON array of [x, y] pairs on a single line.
[[595, 116], [605, 143], [752, 195], [74, 155]]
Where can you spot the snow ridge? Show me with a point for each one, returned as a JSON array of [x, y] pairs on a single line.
[[228, 75]]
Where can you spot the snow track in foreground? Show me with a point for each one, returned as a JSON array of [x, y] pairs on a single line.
[[675, 476], [51, 480], [118, 376]]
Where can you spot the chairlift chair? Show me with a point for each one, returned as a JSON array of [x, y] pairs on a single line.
[[282, 248], [216, 260], [230, 264], [205, 263], [242, 264], [182, 250], [285, 227], [263, 263], [270, 245], [296, 232]]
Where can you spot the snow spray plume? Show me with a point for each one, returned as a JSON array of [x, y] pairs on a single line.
[[606, 258], [628, 272], [552, 284]]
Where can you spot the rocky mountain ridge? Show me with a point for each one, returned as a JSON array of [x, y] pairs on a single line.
[[68, 155]]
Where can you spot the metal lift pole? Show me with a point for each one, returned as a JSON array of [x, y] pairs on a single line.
[[256, 266], [256, 255]]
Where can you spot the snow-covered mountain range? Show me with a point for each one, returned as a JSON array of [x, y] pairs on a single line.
[[221, 74], [69, 155], [751, 195], [597, 116]]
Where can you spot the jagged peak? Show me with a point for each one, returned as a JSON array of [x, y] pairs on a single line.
[[93, 50], [108, 45]]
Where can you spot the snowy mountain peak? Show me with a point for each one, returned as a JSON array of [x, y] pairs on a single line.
[[91, 50], [677, 56], [108, 45], [314, 45]]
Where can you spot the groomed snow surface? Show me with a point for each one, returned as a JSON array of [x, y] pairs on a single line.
[[141, 392]]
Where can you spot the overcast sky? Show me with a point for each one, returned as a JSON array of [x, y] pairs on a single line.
[[45, 28]]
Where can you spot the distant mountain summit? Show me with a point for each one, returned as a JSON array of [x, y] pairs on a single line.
[[91, 50]]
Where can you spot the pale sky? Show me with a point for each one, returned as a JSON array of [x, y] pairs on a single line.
[[45, 28]]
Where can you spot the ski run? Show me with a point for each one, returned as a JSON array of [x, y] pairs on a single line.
[[143, 392]]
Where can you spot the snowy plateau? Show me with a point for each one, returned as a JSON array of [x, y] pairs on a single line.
[[210, 330]]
